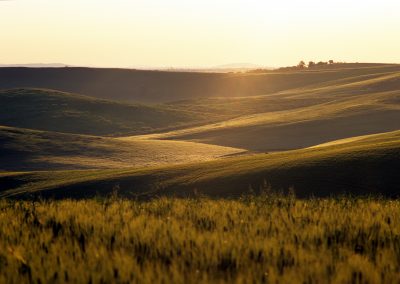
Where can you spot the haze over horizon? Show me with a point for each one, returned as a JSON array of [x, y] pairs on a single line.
[[202, 34]]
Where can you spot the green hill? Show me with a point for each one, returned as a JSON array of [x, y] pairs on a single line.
[[364, 165], [24, 149], [63, 112]]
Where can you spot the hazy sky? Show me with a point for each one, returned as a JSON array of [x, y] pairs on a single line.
[[185, 33]]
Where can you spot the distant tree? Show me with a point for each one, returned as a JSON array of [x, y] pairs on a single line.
[[311, 64], [301, 65], [322, 63], [331, 61]]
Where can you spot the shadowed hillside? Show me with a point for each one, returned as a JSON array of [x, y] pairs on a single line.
[[23, 149], [158, 86], [366, 165], [63, 112]]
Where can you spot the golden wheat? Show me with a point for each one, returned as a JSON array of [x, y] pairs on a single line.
[[255, 239]]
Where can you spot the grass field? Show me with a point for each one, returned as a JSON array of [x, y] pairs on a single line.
[[264, 239]]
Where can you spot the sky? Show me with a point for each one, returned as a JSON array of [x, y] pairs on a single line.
[[206, 33]]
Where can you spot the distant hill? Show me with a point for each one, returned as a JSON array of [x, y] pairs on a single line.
[[162, 86], [36, 65], [362, 165], [64, 112]]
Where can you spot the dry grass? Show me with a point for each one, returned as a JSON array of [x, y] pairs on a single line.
[[267, 239]]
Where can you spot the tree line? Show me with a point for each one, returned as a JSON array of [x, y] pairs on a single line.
[[312, 64]]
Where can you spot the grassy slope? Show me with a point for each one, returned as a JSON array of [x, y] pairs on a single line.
[[156, 86], [22, 149], [301, 117], [367, 165], [63, 112]]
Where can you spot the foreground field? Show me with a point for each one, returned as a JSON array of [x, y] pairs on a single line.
[[255, 239]]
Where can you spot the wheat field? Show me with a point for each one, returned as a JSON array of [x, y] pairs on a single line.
[[263, 239]]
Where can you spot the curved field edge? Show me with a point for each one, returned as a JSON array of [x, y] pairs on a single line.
[[367, 166]]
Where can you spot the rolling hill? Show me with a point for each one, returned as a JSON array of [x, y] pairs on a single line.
[[70, 113], [301, 117], [161, 86], [289, 119], [331, 116], [24, 149], [363, 165]]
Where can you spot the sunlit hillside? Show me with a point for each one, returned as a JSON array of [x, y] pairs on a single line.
[[52, 110], [301, 117], [312, 107], [23, 149], [368, 165], [333, 103]]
